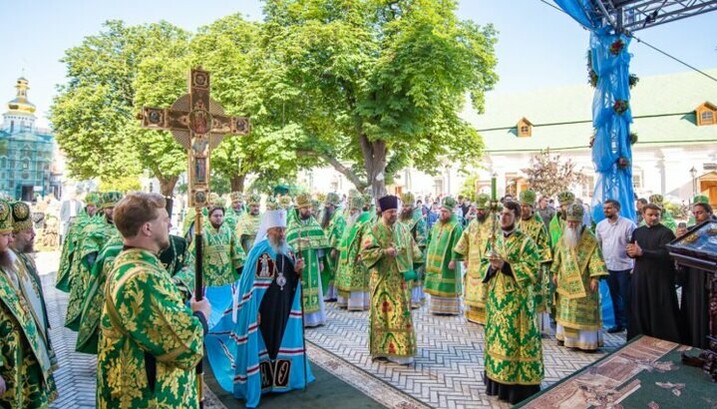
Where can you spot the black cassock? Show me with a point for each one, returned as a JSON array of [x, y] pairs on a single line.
[[653, 299], [276, 305]]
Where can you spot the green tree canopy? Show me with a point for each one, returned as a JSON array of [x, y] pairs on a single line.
[[378, 84]]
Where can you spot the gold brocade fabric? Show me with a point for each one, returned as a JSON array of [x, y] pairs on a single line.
[[390, 323], [513, 350], [578, 307], [535, 228], [145, 315], [470, 248]]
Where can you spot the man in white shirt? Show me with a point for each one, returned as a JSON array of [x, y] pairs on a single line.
[[613, 234], [68, 211]]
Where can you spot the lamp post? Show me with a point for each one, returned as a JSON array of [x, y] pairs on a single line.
[[693, 173]]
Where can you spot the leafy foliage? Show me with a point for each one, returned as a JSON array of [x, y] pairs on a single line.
[[548, 175]]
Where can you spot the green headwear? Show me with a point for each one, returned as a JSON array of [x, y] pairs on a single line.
[[110, 199], [408, 198], [449, 203], [21, 217], [215, 201], [356, 203], [482, 201], [368, 199], [254, 199], [303, 200], [565, 198], [272, 204], [575, 213], [281, 190], [527, 197], [701, 199], [333, 198], [93, 199], [657, 199], [236, 197], [5, 217]]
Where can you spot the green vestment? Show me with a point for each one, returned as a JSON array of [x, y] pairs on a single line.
[[94, 237], [441, 280], [334, 232], [351, 275], [69, 247], [535, 229], [94, 299], [579, 308], [25, 358], [308, 240], [556, 230], [223, 256], [246, 229], [470, 249], [391, 331], [418, 228], [513, 350], [144, 320]]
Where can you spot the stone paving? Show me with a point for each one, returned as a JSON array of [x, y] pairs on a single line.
[[447, 373]]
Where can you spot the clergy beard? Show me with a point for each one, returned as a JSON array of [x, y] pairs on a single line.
[[279, 246], [327, 217], [352, 219], [406, 214], [508, 229], [571, 237], [7, 260], [481, 217], [216, 226]]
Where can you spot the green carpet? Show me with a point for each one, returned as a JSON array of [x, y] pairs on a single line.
[[327, 391]]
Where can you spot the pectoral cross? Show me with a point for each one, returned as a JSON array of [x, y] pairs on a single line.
[[199, 124]]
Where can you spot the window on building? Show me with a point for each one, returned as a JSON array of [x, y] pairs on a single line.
[[706, 114], [588, 186], [524, 127], [636, 179]]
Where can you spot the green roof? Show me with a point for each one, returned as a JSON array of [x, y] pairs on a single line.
[[662, 108]]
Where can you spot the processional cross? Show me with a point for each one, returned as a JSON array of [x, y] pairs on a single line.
[[199, 124]]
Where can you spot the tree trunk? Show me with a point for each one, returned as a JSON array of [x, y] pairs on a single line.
[[237, 182], [166, 185], [374, 154]]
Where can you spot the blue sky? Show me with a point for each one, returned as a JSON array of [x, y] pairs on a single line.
[[538, 46]]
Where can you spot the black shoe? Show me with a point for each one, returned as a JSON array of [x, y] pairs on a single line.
[[615, 329]]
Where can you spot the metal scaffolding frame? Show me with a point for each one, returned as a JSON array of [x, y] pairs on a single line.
[[634, 15]]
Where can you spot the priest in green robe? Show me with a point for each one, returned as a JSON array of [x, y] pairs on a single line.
[[412, 217], [352, 276], [150, 341], [222, 253], [532, 224], [391, 255], [469, 250], [307, 239], [513, 350], [94, 237], [558, 223], [248, 223], [577, 269], [333, 224], [24, 246], [443, 276], [235, 211], [70, 244], [26, 365]]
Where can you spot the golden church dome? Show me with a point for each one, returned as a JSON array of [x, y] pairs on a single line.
[[20, 103]]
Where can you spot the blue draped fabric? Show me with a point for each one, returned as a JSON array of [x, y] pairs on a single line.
[[235, 347], [612, 128], [612, 116]]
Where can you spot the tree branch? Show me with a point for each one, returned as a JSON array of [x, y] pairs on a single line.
[[340, 167]]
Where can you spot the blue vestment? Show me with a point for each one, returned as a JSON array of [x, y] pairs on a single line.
[[241, 360]]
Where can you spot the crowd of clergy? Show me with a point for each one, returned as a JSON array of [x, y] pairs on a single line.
[[269, 276]]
